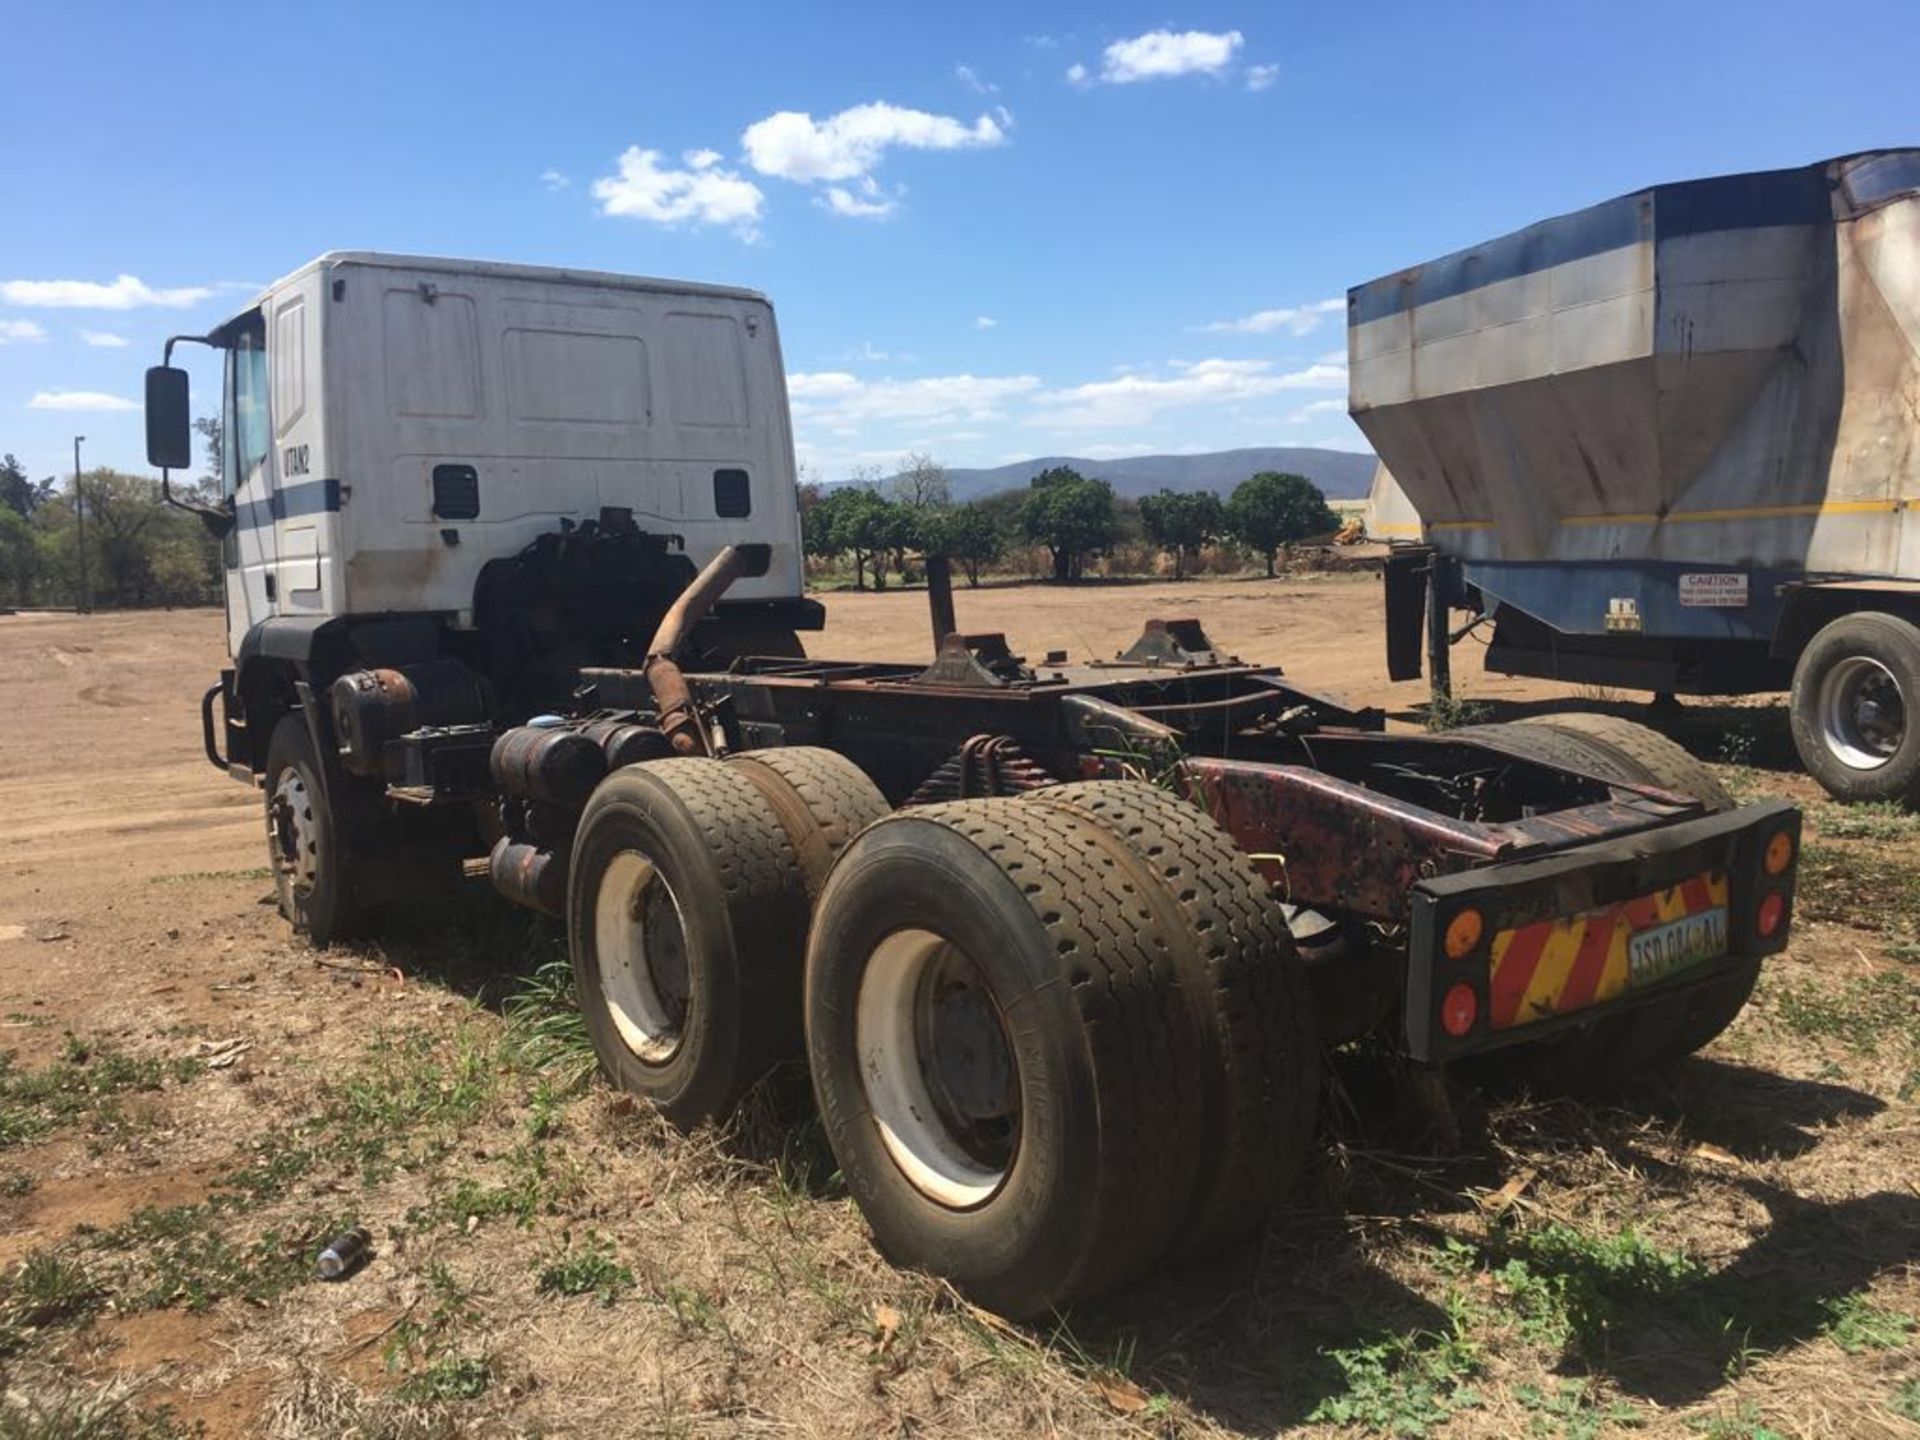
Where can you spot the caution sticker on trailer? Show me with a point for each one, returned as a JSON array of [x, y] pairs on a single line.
[[1556, 966]]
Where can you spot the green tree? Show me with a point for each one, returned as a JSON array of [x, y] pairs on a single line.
[[213, 436], [969, 534], [922, 482], [19, 556], [1071, 515], [1272, 509], [1181, 522], [17, 493], [853, 519]]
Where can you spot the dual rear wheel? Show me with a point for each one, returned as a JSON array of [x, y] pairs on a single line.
[[1052, 1038]]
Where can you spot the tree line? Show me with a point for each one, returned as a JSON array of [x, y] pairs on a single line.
[[137, 551], [1077, 518]]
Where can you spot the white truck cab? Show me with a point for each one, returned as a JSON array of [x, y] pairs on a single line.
[[393, 423]]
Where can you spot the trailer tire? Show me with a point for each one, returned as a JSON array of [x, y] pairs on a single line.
[[1004, 1067], [309, 847], [1657, 760], [1549, 745], [1259, 1060], [821, 798], [686, 918], [1615, 1050], [1855, 708]]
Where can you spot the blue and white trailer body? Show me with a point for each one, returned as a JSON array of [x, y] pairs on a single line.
[[1664, 442]]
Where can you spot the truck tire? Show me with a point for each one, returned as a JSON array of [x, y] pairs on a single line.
[[1613, 1051], [821, 798], [309, 848], [687, 921], [1855, 709], [1259, 1059], [1647, 753], [1004, 1065]]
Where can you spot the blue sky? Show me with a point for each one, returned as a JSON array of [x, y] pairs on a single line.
[[991, 231]]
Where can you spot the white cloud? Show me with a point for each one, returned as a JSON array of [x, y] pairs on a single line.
[[78, 400], [1133, 399], [842, 201], [703, 194], [125, 292], [104, 339], [1317, 407], [792, 145], [836, 397], [701, 159], [1118, 449], [17, 332], [555, 180], [970, 78], [1159, 54], [984, 322], [1290, 319], [1261, 77], [1043, 42], [1077, 74]]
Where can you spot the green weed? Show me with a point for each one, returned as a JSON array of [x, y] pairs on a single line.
[[546, 1033], [1905, 1401], [34, 1103], [62, 1411], [1860, 1014], [591, 1269], [1404, 1384], [1573, 1412], [1856, 1324], [1569, 1287], [1451, 712], [451, 1377], [186, 1255]]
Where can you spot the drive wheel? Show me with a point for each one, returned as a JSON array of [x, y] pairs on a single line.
[[1005, 1067], [1855, 708], [1259, 1061], [687, 916], [822, 800], [1614, 1051], [307, 846]]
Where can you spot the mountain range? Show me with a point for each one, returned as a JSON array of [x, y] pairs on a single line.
[[1340, 474]]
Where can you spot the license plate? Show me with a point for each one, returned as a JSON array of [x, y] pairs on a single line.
[[1654, 954], [1567, 963]]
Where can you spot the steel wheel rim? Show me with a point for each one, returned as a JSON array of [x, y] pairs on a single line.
[[640, 943], [938, 1068], [293, 834], [1863, 715]]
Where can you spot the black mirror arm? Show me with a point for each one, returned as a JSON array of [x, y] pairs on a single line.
[[219, 519]]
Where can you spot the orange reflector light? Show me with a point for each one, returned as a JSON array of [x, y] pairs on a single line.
[[1463, 933], [1460, 1008], [1779, 853], [1773, 910]]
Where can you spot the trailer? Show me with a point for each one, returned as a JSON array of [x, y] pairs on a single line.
[[1061, 941], [1667, 443]]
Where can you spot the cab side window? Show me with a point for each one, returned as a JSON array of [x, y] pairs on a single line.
[[249, 430]]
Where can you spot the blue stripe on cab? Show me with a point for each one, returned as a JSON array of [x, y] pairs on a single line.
[[290, 502]]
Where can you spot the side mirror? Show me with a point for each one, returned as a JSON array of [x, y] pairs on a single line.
[[169, 425]]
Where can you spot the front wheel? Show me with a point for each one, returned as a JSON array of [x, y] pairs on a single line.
[[1856, 708], [313, 867]]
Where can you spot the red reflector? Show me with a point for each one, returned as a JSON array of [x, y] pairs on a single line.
[[1459, 1009], [1773, 910]]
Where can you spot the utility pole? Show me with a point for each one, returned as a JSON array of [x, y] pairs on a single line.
[[80, 519]]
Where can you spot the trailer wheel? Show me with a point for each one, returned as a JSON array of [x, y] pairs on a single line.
[[308, 846], [1615, 1050], [1259, 1061], [821, 798], [687, 918], [1005, 1068], [1855, 709]]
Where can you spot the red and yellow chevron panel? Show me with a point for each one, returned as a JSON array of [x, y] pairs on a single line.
[[1554, 966]]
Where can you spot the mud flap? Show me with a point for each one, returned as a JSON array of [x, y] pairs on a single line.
[[1406, 577]]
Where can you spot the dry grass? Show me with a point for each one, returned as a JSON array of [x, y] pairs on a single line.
[[1728, 1252]]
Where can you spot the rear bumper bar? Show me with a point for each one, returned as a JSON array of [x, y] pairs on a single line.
[[1569, 904]]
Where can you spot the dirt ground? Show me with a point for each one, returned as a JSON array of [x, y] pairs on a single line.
[[192, 1100]]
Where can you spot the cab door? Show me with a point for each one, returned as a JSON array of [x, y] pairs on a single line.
[[248, 475]]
